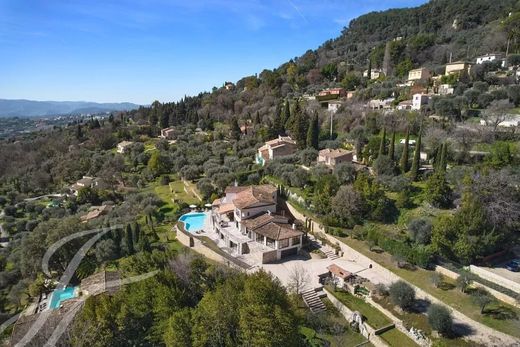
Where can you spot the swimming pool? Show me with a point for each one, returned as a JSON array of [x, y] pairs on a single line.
[[193, 221], [59, 295]]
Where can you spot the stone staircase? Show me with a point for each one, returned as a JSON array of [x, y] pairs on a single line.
[[330, 254], [313, 301]]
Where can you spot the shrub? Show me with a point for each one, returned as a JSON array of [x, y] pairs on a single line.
[[381, 289], [420, 230], [437, 279], [482, 298], [165, 179], [402, 294], [439, 318]]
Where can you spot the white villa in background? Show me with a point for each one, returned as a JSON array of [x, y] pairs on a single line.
[[488, 58], [85, 182], [509, 121], [276, 148], [419, 101], [374, 74], [333, 157], [122, 147], [247, 223], [168, 133]]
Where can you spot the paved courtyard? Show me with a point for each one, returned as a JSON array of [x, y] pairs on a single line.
[[315, 267]]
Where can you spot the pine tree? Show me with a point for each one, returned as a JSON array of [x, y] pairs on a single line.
[[392, 146], [313, 133], [414, 172], [404, 157], [382, 144]]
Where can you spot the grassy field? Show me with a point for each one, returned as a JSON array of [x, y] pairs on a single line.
[[372, 315], [498, 315], [396, 338]]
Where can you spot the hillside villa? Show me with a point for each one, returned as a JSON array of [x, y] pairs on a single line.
[[457, 67], [123, 146], [333, 157], [488, 58], [374, 74], [247, 222], [168, 133], [282, 146], [85, 182], [420, 74], [419, 101]]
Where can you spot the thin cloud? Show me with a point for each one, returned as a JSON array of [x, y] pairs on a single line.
[[297, 9]]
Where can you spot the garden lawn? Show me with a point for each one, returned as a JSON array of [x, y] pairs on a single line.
[[498, 315], [395, 337], [375, 318]]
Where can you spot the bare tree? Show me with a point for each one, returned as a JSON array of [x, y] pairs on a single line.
[[298, 279], [496, 113]]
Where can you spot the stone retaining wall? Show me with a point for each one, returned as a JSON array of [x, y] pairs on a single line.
[[493, 277]]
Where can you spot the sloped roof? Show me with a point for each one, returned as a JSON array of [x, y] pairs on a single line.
[[339, 271], [252, 195], [334, 153], [278, 231]]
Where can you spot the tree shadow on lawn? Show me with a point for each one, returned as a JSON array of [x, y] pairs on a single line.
[[459, 330]]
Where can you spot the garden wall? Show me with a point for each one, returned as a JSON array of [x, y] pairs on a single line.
[[490, 276]]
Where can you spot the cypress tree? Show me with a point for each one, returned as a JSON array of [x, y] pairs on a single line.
[[443, 162], [129, 239], [137, 234], [235, 129], [164, 119], [278, 123], [313, 133], [369, 74], [79, 132], [299, 127], [392, 146], [286, 115], [414, 172], [382, 144], [404, 157]]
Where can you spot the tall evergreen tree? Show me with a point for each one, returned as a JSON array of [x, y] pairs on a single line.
[[404, 157], [414, 172], [443, 162], [136, 233], [313, 134], [234, 129], [369, 73], [286, 115], [278, 122], [79, 132], [129, 239], [382, 144], [164, 120], [391, 153], [257, 120], [300, 123]]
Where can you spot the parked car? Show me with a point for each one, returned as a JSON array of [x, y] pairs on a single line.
[[513, 265]]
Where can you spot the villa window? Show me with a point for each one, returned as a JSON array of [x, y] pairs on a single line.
[[270, 243], [259, 238], [283, 243], [296, 240]]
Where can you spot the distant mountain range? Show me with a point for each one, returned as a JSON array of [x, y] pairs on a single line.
[[30, 108]]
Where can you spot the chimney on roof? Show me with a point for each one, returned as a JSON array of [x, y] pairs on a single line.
[[294, 226]]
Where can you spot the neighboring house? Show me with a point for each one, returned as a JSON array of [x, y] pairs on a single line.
[[457, 67], [246, 222], [350, 94], [420, 74], [333, 157], [374, 74], [247, 129], [85, 182], [96, 211], [405, 105], [490, 58], [410, 142], [419, 101], [123, 146], [276, 148], [445, 89], [338, 275], [333, 106], [168, 133], [377, 104], [102, 282], [331, 94]]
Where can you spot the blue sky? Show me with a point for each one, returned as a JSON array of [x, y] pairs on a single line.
[[143, 50]]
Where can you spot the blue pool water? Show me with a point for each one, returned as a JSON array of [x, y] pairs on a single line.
[[193, 221], [60, 295]]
